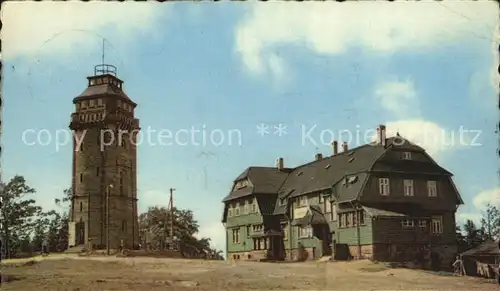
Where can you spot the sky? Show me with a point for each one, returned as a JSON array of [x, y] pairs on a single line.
[[258, 81]]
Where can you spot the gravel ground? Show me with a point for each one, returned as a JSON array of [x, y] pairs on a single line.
[[64, 272]]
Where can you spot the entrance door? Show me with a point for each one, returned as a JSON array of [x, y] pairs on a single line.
[[80, 233], [326, 237]]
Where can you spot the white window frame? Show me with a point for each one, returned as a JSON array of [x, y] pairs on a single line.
[[408, 188], [282, 201], [237, 210], [437, 225], [334, 211], [236, 235], [284, 228], [384, 186], [305, 232], [422, 223], [247, 208], [408, 223], [229, 212], [406, 155], [328, 206], [254, 206], [431, 188]]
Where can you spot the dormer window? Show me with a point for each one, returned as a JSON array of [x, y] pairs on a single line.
[[241, 184], [282, 201], [406, 156]]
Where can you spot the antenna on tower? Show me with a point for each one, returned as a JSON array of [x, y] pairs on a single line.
[[102, 51]]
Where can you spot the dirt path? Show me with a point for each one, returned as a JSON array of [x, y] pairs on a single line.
[[64, 272]]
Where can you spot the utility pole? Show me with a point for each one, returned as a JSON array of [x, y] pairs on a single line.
[[171, 205]]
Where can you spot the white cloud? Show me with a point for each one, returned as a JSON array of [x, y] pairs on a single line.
[[332, 28], [398, 97], [491, 196], [33, 28], [431, 136]]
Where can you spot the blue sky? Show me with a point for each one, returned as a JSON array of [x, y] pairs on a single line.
[[229, 67]]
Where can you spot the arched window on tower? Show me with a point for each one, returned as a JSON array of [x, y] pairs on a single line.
[[121, 183], [81, 206]]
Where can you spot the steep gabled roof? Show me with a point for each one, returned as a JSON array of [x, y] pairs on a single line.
[[325, 173], [330, 172], [264, 180]]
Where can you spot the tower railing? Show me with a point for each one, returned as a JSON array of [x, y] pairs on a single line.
[[104, 69]]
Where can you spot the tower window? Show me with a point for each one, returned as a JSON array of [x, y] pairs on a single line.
[[92, 82], [124, 225], [99, 81], [121, 183], [97, 171], [81, 206], [105, 80], [81, 177]]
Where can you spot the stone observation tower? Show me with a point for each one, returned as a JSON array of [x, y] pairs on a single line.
[[104, 203]]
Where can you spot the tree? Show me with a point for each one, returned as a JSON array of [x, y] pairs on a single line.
[[490, 222], [17, 214], [154, 227], [472, 235]]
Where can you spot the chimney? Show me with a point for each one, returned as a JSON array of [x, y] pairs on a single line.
[[345, 148], [335, 145], [318, 156], [279, 163], [381, 137]]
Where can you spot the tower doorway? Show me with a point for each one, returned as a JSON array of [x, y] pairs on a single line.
[[80, 233]]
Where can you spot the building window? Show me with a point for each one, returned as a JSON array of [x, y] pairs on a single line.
[[305, 232], [350, 220], [431, 188], [99, 81], [81, 206], [91, 103], [241, 184], [342, 220], [321, 198], [302, 201], [246, 209], [334, 211], [284, 228], [236, 236], [282, 202], [259, 243], [406, 156], [383, 186], [258, 228], [229, 212], [99, 102], [248, 230], [422, 223], [437, 225], [254, 206], [97, 171], [121, 184], [361, 217], [124, 225], [407, 223], [237, 210], [408, 187], [81, 177]]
